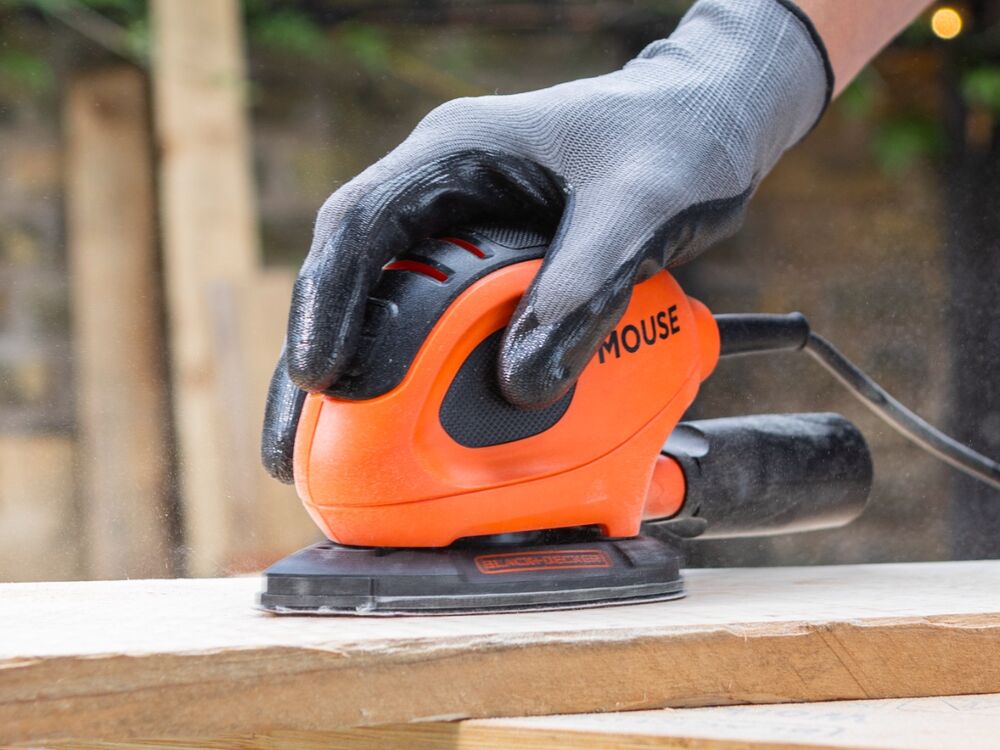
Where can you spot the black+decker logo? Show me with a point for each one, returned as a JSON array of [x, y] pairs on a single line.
[[630, 337], [564, 559]]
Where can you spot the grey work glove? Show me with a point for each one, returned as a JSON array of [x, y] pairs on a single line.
[[633, 171]]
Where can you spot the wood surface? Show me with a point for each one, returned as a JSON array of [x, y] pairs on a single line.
[[121, 397], [191, 658], [210, 246], [964, 722]]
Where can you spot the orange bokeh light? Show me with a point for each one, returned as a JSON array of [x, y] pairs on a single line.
[[946, 22]]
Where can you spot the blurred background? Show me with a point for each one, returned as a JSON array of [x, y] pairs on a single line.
[[161, 164]]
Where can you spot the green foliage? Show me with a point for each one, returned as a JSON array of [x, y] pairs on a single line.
[[121, 11], [25, 71], [981, 87], [277, 26], [899, 140], [857, 101], [138, 37], [119, 8], [917, 32], [365, 43], [287, 30], [902, 141], [122, 28]]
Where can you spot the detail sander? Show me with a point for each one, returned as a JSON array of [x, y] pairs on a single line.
[[439, 496]]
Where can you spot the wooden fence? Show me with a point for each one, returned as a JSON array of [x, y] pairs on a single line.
[[175, 327]]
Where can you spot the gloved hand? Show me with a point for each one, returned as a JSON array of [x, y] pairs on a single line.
[[634, 170]]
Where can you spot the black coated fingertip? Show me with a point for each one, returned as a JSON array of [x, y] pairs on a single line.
[[310, 370], [531, 372], [278, 465], [316, 349], [533, 391], [281, 420]]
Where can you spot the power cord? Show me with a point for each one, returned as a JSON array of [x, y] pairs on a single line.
[[756, 333]]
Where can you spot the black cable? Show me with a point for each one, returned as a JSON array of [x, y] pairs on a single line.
[[928, 437], [757, 333]]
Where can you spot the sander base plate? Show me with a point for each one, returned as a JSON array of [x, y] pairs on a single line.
[[564, 569]]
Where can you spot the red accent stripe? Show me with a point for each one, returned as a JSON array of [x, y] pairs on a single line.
[[417, 267], [465, 245]]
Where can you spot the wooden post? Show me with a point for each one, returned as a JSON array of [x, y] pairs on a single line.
[[210, 245], [39, 535], [121, 397]]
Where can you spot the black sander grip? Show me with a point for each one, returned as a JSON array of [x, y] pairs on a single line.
[[752, 333], [770, 474]]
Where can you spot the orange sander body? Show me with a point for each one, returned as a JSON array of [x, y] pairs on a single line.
[[437, 495]]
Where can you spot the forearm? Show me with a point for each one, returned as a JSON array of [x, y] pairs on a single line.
[[855, 30]]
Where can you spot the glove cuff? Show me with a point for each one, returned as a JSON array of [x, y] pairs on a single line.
[[755, 73], [824, 56]]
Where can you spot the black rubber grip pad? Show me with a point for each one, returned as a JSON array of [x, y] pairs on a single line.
[[405, 305], [771, 473], [474, 413]]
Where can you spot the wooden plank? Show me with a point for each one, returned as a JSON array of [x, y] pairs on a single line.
[[193, 659], [121, 396], [38, 518], [962, 722], [209, 236]]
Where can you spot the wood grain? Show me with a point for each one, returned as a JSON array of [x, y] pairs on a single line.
[[965, 722], [193, 659]]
